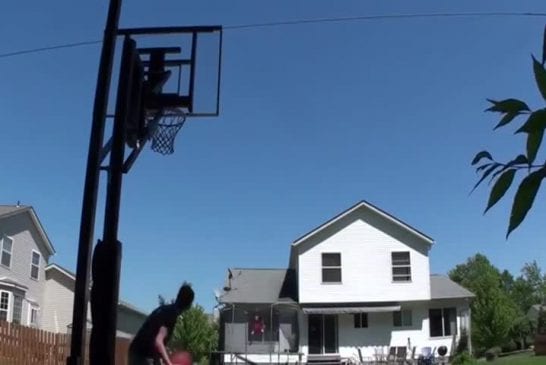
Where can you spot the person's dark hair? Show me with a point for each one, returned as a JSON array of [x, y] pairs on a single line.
[[185, 296]]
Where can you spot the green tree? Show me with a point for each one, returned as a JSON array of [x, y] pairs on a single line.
[[503, 173], [493, 311], [195, 331]]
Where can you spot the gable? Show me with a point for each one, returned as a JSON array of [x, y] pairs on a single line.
[[371, 215], [14, 220]]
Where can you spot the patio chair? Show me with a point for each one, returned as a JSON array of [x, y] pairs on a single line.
[[391, 357], [401, 354], [412, 360], [427, 356]]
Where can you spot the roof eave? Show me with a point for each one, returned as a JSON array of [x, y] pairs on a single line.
[[355, 207]]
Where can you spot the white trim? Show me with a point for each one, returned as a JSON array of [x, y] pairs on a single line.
[[61, 270], [376, 210], [5, 236], [8, 314], [41, 231], [32, 264], [29, 315]]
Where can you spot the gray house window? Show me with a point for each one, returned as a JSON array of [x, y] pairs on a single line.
[[4, 305], [17, 309], [35, 265], [7, 246], [331, 268], [33, 316], [361, 320], [442, 322], [402, 318], [401, 266]]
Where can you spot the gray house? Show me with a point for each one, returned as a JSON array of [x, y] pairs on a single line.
[[25, 252], [35, 292]]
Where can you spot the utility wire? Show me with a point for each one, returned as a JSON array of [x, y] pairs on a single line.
[[304, 21]]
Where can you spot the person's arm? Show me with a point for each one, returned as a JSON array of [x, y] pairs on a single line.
[[160, 345]]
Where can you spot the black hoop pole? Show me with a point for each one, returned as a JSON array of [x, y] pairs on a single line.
[[89, 205]]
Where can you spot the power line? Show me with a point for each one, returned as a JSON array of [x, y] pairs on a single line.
[[384, 17], [304, 21]]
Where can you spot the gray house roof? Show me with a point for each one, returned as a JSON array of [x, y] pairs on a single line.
[[442, 287], [280, 285], [8, 209], [260, 286]]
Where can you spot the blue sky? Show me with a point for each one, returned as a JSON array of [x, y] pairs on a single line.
[[314, 118]]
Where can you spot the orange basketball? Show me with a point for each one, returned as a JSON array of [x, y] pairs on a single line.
[[181, 358]]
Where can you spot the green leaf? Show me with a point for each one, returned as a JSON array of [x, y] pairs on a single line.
[[507, 106], [535, 122], [533, 144], [524, 198], [500, 188], [508, 117], [480, 155], [486, 174], [540, 77]]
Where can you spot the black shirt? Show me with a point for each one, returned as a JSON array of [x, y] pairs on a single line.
[[144, 341]]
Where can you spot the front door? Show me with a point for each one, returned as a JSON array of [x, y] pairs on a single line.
[[322, 334]]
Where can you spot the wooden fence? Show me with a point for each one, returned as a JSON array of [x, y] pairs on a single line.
[[21, 345]]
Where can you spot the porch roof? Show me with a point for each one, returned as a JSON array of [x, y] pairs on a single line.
[[350, 308], [260, 286], [442, 287]]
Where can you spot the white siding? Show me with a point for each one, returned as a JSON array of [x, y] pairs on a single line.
[[26, 238], [365, 242]]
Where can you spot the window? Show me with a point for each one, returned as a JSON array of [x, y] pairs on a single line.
[[402, 318], [361, 320], [331, 268], [442, 322], [7, 246], [33, 316], [4, 305], [17, 309], [401, 266], [35, 265]]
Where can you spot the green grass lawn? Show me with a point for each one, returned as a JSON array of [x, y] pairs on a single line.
[[528, 358]]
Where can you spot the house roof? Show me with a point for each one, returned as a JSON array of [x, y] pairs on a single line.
[[442, 287], [69, 274], [11, 210], [260, 286], [280, 285], [371, 207]]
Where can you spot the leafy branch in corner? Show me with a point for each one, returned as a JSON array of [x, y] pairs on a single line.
[[503, 174]]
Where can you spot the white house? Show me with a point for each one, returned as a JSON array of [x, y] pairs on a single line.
[[33, 291], [356, 286]]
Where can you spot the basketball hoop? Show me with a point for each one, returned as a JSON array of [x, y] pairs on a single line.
[[166, 130]]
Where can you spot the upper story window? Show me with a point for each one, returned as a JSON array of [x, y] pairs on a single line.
[[4, 305], [35, 265], [442, 322], [361, 320], [6, 244], [331, 268], [402, 318], [401, 266]]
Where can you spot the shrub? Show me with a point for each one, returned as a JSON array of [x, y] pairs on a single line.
[[463, 358], [510, 346], [462, 345], [492, 353]]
